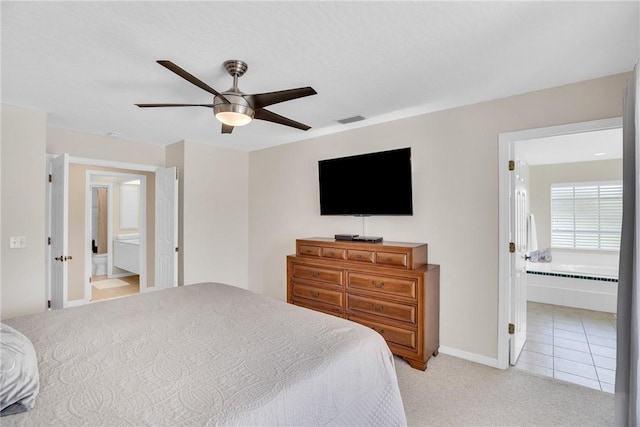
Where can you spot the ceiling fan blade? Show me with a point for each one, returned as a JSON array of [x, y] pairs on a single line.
[[190, 78], [269, 98], [174, 105], [270, 116], [227, 128]]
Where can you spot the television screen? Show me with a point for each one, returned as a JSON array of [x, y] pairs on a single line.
[[367, 184]]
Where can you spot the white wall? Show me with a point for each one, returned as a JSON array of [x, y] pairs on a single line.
[[23, 210], [455, 187]]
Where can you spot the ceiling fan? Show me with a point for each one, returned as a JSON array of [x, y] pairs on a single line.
[[235, 108]]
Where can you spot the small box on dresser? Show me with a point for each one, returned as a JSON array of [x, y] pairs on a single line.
[[387, 286]]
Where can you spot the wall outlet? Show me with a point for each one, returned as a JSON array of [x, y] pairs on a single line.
[[16, 242]]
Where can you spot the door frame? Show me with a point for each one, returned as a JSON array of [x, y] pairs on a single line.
[[506, 146], [85, 161]]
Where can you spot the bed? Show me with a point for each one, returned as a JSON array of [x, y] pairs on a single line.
[[207, 354]]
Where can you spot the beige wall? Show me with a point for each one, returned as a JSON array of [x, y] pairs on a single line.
[[214, 213], [23, 210], [81, 144], [77, 226], [455, 188], [541, 177], [271, 195]]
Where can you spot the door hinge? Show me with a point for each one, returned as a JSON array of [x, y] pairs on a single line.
[[512, 247], [512, 165], [49, 304], [176, 173], [48, 240], [89, 279], [176, 249], [50, 178], [512, 329]]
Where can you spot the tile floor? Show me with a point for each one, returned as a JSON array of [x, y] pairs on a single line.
[[570, 344], [109, 293]]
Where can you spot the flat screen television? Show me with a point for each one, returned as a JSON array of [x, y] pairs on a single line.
[[367, 184]]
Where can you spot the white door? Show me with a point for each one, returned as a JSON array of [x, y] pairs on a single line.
[[166, 260], [59, 227], [518, 209]]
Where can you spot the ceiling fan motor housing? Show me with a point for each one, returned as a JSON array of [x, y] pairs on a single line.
[[237, 104]]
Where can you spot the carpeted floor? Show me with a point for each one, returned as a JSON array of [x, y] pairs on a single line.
[[456, 392]]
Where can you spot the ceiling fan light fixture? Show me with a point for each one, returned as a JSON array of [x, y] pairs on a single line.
[[233, 114]]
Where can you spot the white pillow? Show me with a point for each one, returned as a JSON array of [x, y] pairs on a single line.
[[19, 377]]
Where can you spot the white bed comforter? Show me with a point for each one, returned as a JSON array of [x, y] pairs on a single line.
[[207, 354]]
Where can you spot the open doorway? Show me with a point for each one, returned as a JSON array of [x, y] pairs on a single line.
[[69, 267], [116, 234], [571, 236]]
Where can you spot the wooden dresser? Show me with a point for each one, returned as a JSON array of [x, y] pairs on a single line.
[[387, 286]]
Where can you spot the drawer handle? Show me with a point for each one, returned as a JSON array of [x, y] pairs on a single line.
[[314, 274], [315, 294], [377, 284], [331, 253], [381, 331], [389, 259], [358, 256], [377, 309]]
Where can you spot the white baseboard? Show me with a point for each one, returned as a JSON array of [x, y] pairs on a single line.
[[75, 303], [472, 357]]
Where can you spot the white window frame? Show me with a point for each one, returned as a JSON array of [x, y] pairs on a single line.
[[600, 244]]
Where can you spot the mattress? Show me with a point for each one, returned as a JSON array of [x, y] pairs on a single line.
[[207, 354]]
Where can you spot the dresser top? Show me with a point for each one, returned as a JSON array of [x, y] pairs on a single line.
[[347, 243]]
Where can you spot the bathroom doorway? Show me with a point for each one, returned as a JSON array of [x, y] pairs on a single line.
[[570, 313], [69, 228], [116, 234]]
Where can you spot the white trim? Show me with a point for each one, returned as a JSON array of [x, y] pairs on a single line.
[[75, 303], [472, 357], [505, 144]]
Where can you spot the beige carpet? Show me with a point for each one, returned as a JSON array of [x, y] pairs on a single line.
[[109, 283], [456, 392]]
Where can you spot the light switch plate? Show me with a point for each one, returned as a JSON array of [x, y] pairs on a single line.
[[16, 242]]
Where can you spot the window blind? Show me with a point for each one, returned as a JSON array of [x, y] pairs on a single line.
[[586, 216]]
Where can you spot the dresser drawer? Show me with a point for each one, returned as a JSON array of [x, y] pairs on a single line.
[[392, 258], [382, 284], [322, 295], [308, 250], [391, 310], [393, 335], [334, 253], [362, 256], [327, 275], [312, 305]]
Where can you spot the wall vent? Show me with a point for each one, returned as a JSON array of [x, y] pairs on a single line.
[[351, 119]]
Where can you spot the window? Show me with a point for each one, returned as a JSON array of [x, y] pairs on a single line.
[[586, 216]]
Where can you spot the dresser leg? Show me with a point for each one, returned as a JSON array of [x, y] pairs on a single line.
[[417, 364], [435, 352]]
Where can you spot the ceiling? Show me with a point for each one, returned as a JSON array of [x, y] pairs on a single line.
[[87, 63], [605, 144]]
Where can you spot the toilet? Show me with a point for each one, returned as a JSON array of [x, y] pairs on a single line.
[[98, 264]]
